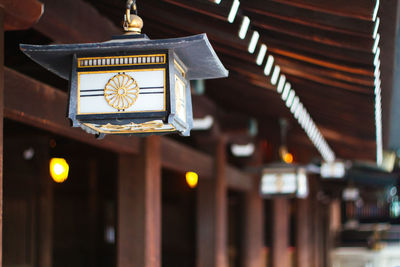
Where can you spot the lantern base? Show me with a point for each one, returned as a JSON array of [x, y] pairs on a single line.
[[150, 127]]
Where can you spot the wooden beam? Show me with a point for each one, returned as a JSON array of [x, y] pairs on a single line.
[[310, 33], [238, 180], [280, 232], [308, 17], [75, 21], [139, 207], [208, 9], [47, 108], [212, 215], [338, 59], [1, 127], [178, 157], [361, 10], [332, 77], [315, 60], [351, 82], [20, 15]]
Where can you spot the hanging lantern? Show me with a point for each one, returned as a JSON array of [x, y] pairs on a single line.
[[131, 84], [284, 181]]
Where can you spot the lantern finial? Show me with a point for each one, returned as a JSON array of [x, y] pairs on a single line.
[[132, 22]]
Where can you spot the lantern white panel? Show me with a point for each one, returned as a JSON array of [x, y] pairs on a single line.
[[272, 183], [150, 96], [302, 180], [180, 100]]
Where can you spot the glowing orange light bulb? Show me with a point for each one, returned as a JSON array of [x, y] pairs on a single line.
[[192, 179], [288, 158], [59, 169]]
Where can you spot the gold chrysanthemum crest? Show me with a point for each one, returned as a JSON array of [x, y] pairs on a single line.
[[121, 91]]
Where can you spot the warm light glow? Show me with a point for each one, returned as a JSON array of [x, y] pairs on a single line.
[[376, 9], [378, 125], [234, 10], [335, 169], [192, 179], [261, 54], [377, 67], [244, 27], [242, 150], [286, 91], [296, 101], [376, 58], [268, 65], [288, 158], [376, 28], [302, 183], [281, 83], [290, 99], [376, 43], [203, 123], [59, 169], [377, 79], [298, 110], [275, 75], [253, 42]]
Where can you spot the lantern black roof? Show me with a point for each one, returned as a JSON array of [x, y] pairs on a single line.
[[195, 51]]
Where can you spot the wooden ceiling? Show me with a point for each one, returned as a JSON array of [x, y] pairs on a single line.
[[323, 47]]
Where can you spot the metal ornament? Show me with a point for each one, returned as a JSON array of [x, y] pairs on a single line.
[[121, 91], [132, 23], [131, 84]]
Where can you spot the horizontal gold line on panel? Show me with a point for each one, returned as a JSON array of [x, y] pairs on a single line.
[[81, 60]]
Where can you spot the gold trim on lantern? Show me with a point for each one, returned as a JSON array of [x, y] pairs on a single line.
[[116, 72], [122, 60], [146, 127], [180, 68]]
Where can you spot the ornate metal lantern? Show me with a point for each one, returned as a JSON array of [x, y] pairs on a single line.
[[131, 84], [284, 181]]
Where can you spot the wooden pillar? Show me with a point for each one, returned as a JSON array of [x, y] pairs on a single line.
[[212, 213], [303, 233], [316, 222], [139, 207], [93, 212], [335, 220], [254, 229], [334, 225], [1, 126], [45, 208], [280, 232], [254, 221]]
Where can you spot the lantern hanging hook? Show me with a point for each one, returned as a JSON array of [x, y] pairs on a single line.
[[132, 22], [131, 4]]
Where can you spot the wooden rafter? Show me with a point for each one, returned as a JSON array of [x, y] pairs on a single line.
[[20, 15]]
